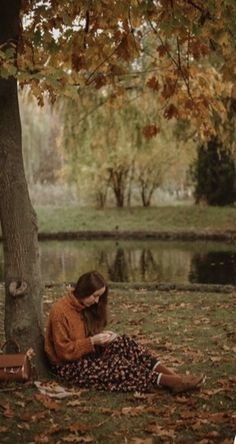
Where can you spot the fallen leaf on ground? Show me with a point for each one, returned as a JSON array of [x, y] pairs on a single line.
[[216, 358], [106, 411], [78, 427], [20, 403], [42, 438], [216, 418], [74, 403], [133, 411], [7, 411], [212, 392], [76, 438], [33, 417], [3, 429], [47, 402], [213, 434], [188, 414], [160, 431], [55, 428], [225, 383], [142, 441], [23, 426]]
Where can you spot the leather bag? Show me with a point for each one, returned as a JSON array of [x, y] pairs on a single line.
[[14, 366]]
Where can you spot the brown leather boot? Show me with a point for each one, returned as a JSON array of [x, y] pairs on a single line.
[[188, 382]]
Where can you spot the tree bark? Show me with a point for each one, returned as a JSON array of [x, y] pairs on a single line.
[[23, 303]]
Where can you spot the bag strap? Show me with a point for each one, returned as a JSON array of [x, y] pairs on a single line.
[[12, 341]]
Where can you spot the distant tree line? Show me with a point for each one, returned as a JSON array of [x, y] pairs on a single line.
[[104, 151]]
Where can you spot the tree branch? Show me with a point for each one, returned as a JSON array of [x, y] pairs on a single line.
[[195, 5]]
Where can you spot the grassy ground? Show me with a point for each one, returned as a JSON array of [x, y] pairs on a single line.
[[180, 218], [188, 331]]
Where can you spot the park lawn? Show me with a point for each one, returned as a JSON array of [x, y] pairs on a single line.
[[169, 218], [187, 331]]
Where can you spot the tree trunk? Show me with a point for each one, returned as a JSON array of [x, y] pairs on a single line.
[[23, 304]]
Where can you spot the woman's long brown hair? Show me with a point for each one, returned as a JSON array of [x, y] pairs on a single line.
[[95, 316]]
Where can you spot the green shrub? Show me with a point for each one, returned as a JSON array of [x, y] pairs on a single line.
[[214, 174]]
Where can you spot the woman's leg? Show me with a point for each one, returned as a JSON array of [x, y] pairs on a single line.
[[123, 366], [116, 373], [159, 368], [112, 373]]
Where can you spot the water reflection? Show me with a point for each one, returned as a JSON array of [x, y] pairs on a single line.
[[214, 267], [130, 261]]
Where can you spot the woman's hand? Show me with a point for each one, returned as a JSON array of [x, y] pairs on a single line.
[[103, 338]]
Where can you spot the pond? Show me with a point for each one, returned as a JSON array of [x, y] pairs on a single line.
[[138, 261]]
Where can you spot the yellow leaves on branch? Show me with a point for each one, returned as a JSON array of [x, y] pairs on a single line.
[[198, 49], [171, 111], [163, 45], [128, 48]]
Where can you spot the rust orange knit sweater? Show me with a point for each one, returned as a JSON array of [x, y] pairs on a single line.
[[65, 338]]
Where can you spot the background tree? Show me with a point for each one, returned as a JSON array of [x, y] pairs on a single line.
[[214, 170], [41, 140], [214, 174], [23, 303]]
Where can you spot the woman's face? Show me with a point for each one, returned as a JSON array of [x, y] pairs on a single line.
[[93, 298]]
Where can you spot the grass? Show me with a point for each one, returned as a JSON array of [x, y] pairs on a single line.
[[187, 331], [53, 219]]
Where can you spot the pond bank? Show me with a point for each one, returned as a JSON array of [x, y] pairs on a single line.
[[229, 235], [165, 287]]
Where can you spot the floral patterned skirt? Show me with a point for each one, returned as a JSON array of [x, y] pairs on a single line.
[[123, 365]]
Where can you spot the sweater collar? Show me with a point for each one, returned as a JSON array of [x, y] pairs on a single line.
[[73, 301]]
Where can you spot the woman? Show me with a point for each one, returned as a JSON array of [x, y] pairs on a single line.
[[82, 352]]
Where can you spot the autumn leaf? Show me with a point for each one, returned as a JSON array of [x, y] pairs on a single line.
[[24, 426], [3, 429], [100, 80], [150, 131], [187, 414], [47, 402], [171, 111], [217, 418], [212, 392], [216, 359], [75, 438], [74, 403], [7, 411], [153, 83], [78, 427], [127, 48], [41, 438], [142, 441], [163, 50], [169, 88], [78, 61], [117, 70], [106, 411], [133, 411], [160, 431], [33, 417]]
